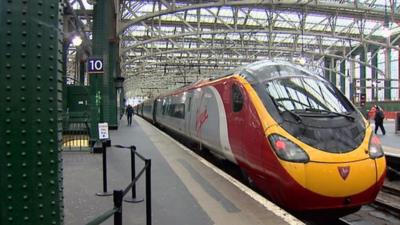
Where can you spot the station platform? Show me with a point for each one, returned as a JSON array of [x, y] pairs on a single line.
[[185, 188], [391, 140]]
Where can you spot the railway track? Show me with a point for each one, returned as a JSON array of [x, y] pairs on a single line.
[[384, 211], [389, 200], [391, 189]]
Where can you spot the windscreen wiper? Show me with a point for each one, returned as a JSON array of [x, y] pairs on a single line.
[[297, 117], [351, 118]]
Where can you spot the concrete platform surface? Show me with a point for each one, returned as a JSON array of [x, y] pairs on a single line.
[[391, 140], [185, 189]]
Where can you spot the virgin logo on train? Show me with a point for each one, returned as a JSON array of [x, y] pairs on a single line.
[[344, 171], [201, 118]]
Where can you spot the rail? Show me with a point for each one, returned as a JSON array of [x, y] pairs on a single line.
[[118, 195]]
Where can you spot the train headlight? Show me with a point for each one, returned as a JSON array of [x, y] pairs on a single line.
[[287, 150], [375, 147]]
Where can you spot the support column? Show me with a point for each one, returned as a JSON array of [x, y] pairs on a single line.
[[374, 75], [352, 82], [113, 59], [82, 72], [66, 44], [102, 91], [327, 65], [31, 105], [388, 74], [332, 71], [398, 77], [343, 77], [363, 71]]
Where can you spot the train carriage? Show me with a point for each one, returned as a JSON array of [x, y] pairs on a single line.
[[295, 135]]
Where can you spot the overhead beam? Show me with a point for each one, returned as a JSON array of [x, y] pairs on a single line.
[[313, 6]]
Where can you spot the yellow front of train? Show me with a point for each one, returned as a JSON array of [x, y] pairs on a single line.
[[322, 180], [324, 154]]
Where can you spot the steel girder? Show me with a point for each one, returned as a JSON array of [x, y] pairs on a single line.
[[182, 34], [352, 10]]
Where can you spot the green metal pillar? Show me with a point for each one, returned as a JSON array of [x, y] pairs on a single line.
[[343, 76], [113, 59], [388, 74], [82, 72], [31, 103], [352, 85], [333, 74], [96, 80], [64, 72], [102, 92], [327, 65], [374, 75], [363, 71], [398, 75], [121, 107]]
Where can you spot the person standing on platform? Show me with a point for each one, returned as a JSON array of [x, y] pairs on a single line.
[[129, 113], [379, 116]]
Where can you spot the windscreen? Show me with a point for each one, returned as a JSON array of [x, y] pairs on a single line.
[[306, 93]]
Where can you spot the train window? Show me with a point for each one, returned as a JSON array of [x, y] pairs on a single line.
[[237, 98], [171, 109], [164, 106], [179, 111]]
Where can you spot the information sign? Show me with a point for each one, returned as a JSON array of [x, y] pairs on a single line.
[[95, 65], [103, 131]]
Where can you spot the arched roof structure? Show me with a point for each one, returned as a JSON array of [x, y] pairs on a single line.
[[168, 43]]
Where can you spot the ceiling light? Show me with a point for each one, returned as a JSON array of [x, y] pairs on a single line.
[[77, 41], [302, 61]]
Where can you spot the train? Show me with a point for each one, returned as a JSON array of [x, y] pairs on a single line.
[[292, 133]]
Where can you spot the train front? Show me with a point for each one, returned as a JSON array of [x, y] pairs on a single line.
[[326, 155]]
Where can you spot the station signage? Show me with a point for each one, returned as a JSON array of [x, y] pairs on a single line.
[[95, 65], [103, 131]]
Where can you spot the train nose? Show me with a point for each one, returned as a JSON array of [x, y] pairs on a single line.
[[333, 185], [340, 179]]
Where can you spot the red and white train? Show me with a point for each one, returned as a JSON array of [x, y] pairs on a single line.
[[297, 138]]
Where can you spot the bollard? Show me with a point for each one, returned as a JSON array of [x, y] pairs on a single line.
[[117, 197], [148, 191], [133, 199], [104, 193]]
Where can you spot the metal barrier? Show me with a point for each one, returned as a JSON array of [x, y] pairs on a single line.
[[119, 194], [75, 134]]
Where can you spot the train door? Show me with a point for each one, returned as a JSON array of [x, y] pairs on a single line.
[[188, 114], [155, 110], [236, 119]]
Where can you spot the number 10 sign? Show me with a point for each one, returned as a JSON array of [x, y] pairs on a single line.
[[95, 65]]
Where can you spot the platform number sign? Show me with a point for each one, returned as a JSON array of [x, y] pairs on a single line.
[[95, 65]]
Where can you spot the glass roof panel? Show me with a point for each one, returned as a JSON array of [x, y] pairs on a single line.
[[145, 8], [225, 11], [255, 18], [258, 14], [85, 4]]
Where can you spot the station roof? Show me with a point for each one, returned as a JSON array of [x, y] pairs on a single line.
[[168, 43]]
